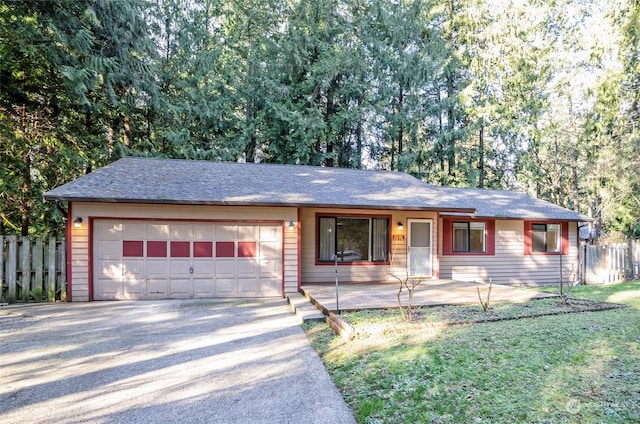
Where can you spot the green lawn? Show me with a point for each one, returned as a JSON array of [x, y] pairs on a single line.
[[570, 368]]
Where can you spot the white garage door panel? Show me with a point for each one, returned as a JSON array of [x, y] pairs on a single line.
[[157, 268], [110, 268], [226, 286], [180, 268], [226, 232], [247, 233], [270, 286], [202, 268], [248, 268], [132, 229], [270, 233], [134, 288], [203, 232], [134, 267], [157, 288], [270, 250], [108, 230], [225, 268], [125, 267], [181, 231], [110, 249], [181, 287], [203, 287], [248, 285], [270, 268], [158, 231], [107, 288]]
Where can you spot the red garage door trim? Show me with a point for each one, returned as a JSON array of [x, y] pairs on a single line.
[[90, 239]]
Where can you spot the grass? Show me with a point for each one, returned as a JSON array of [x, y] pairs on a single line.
[[569, 368], [466, 314]]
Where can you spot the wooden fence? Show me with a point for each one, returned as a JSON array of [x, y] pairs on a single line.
[[32, 269], [610, 264]]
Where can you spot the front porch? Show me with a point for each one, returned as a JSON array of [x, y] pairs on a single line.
[[379, 295]]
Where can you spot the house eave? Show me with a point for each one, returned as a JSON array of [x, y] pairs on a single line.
[[454, 214], [260, 204]]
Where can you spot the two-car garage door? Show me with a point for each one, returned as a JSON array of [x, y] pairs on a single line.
[[138, 259]]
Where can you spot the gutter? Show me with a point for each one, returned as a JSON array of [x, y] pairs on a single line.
[[262, 204]]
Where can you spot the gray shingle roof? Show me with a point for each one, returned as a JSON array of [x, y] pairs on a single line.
[[145, 180], [513, 205]]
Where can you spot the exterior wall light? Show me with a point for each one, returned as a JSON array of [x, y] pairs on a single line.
[[291, 226], [400, 226], [77, 223]]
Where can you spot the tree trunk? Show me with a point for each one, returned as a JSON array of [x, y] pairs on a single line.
[[250, 148], [359, 145], [26, 198], [126, 137], [331, 111], [401, 129], [481, 157], [451, 147]]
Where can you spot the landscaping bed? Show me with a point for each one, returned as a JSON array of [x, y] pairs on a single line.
[[368, 321]]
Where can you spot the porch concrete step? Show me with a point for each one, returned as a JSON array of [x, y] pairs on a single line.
[[304, 309]]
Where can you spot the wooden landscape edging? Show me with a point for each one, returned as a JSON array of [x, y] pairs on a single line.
[[341, 327]]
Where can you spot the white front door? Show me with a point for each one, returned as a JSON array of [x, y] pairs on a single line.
[[419, 248]]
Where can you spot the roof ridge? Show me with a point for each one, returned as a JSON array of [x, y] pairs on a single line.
[[270, 164]]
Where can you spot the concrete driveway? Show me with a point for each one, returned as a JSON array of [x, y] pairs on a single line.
[[186, 361]]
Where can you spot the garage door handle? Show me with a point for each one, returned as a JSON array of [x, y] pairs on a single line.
[[191, 269]]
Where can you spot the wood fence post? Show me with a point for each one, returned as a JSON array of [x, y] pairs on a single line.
[[25, 269], [588, 264], [580, 260], [51, 270], [36, 264], [11, 268], [62, 266], [636, 258]]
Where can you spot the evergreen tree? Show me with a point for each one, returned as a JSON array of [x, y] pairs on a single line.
[[75, 88]]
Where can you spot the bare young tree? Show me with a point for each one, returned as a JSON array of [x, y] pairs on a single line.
[[485, 303], [567, 281], [408, 284]]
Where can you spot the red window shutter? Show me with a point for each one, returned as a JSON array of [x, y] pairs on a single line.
[[491, 237], [528, 234], [565, 238], [447, 236]]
